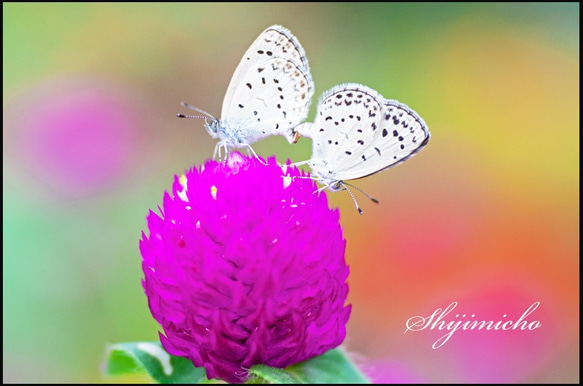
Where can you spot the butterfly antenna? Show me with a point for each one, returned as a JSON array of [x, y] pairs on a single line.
[[206, 115], [191, 116], [352, 195], [363, 192]]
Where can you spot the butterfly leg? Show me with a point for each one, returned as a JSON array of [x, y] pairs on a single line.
[[217, 150], [299, 163], [217, 153], [322, 188], [250, 149], [308, 178], [326, 185]]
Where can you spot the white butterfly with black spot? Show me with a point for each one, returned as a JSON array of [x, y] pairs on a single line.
[[357, 132], [269, 94]]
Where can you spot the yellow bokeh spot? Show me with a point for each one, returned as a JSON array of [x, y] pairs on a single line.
[[286, 181], [182, 180]]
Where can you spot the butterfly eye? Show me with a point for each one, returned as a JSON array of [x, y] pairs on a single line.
[[335, 186], [212, 124]]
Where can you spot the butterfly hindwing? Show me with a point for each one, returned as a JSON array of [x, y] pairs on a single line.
[[357, 132], [271, 89]]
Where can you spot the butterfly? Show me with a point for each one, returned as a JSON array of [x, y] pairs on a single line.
[[357, 132], [269, 94]]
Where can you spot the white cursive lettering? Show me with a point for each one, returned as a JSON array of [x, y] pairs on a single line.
[[437, 321]]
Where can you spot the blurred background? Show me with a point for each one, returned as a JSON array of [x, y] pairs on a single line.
[[487, 215]]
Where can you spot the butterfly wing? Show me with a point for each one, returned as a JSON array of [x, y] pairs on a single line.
[[271, 89], [357, 132]]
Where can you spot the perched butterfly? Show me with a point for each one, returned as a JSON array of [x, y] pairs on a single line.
[[270, 93], [357, 133]]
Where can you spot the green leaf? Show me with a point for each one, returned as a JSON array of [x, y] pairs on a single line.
[[266, 374], [151, 358], [333, 366]]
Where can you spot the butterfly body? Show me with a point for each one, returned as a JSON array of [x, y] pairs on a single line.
[[356, 131]]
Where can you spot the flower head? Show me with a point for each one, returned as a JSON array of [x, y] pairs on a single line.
[[246, 266]]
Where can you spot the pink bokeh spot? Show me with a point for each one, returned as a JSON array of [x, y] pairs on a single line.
[[81, 136], [389, 371]]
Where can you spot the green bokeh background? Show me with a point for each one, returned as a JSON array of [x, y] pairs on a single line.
[[489, 211]]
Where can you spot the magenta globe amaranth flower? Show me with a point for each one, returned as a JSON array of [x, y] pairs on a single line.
[[246, 266]]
